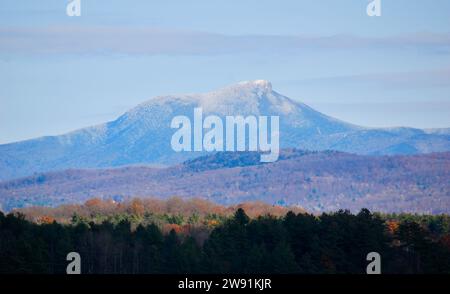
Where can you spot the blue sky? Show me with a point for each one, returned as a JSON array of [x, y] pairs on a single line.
[[61, 73]]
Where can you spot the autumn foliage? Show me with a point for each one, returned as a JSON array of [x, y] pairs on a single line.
[[392, 226], [195, 211], [45, 219]]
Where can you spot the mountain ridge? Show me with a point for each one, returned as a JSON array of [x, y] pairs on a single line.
[[317, 181], [142, 134]]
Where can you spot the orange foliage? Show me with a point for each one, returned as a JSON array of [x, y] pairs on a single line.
[[212, 223], [169, 227], [94, 202], [99, 206], [392, 226], [45, 219], [201, 208], [137, 207]]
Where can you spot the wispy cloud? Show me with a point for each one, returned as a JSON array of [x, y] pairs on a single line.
[[154, 41], [389, 80]]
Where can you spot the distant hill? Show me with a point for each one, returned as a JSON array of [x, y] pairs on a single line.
[[142, 135], [316, 181]]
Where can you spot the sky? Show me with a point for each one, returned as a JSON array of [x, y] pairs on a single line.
[[61, 73]]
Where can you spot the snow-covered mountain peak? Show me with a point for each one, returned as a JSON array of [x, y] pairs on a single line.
[[143, 134], [245, 97], [257, 85]]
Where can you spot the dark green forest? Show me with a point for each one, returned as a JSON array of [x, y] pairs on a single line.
[[294, 243]]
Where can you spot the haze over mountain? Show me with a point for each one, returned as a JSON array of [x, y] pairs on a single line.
[[143, 134], [315, 181]]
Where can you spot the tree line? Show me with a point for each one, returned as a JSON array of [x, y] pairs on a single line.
[[293, 243]]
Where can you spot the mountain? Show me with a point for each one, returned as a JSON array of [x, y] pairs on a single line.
[[143, 134], [316, 181]]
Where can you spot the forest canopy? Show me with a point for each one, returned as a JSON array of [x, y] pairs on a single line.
[[139, 240]]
